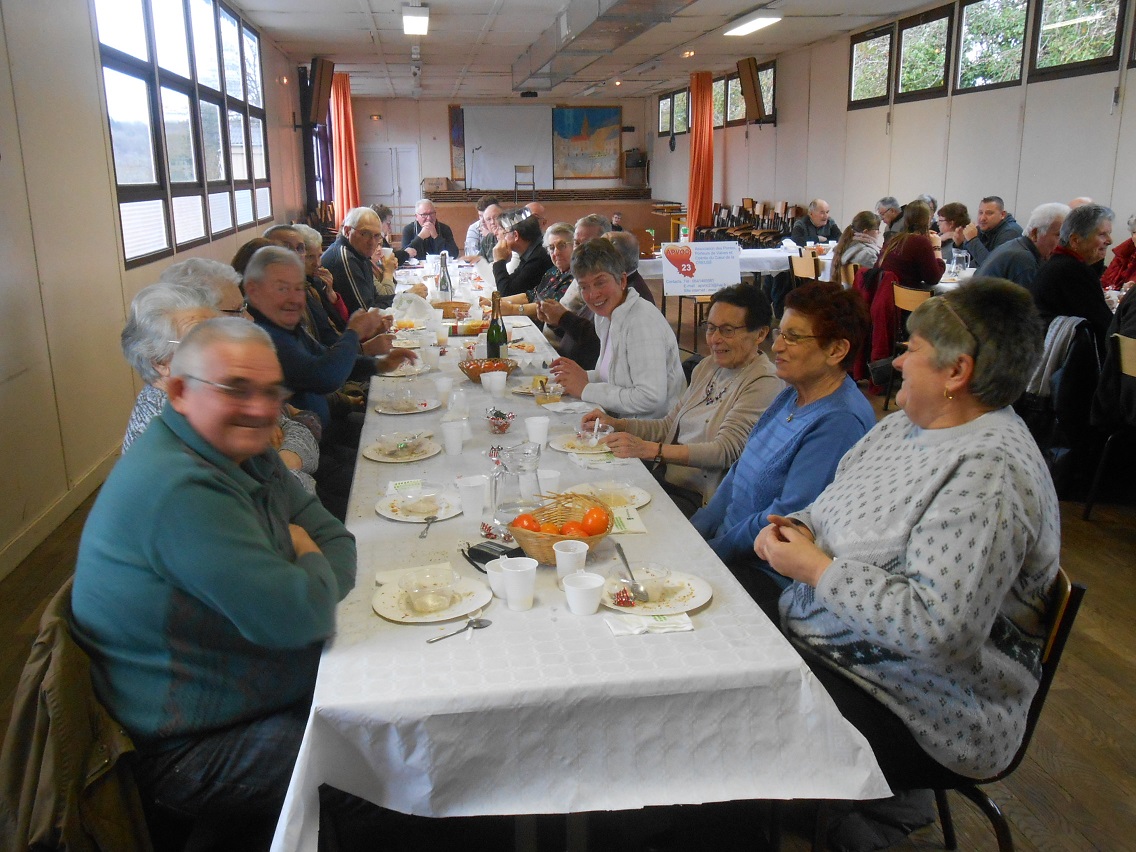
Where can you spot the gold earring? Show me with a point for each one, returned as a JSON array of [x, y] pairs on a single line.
[[947, 394]]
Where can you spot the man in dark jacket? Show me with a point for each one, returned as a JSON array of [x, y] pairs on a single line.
[[426, 235], [349, 261], [994, 227], [816, 227]]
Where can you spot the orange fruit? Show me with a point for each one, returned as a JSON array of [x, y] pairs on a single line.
[[574, 529], [594, 521], [549, 527], [526, 522]]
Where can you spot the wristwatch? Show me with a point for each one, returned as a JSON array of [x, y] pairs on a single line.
[[659, 455]]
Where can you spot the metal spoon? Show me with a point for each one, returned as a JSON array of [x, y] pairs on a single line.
[[635, 587], [472, 624], [429, 520]]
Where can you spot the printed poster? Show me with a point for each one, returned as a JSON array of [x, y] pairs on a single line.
[[700, 269], [587, 142]]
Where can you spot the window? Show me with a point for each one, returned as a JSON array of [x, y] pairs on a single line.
[[991, 44], [924, 45], [718, 99], [735, 103], [871, 68], [766, 81], [185, 106], [665, 115], [681, 117], [1075, 37]]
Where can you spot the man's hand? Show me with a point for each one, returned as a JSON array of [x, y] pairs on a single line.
[[302, 542], [428, 231], [550, 311], [502, 251], [570, 376], [366, 323], [378, 345], [969, 232], [277, 438], [394, 360]]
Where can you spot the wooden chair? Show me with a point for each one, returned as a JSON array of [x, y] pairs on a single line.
[[848, 274], [906, 301], [524, 177], [1065, 600], [1126, 347], [805, 266]]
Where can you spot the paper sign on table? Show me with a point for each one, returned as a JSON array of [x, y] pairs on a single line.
[[700, 269], [626, 521]]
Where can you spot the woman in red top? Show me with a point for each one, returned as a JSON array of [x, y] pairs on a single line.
[[1122, 270], [914, 255]]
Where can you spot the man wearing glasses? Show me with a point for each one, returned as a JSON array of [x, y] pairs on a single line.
[[426, 235], [349, 261], [206, 583]]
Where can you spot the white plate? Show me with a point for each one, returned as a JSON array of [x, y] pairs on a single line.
[[400, 507], [632, 495], [693, 593], [406, 343], [572, 444], [426, 450], [390, 602], [406, 370], [420, 406]]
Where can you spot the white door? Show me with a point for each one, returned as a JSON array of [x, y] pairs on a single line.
[[389, 175]]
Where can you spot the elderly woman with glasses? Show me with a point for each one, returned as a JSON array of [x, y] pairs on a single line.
[[638, 373], [704, 432], [920, 578], [558, 243], [792, 452], [160, 316]]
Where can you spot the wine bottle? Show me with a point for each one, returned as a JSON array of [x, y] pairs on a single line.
[[445, 286], [496, 339]]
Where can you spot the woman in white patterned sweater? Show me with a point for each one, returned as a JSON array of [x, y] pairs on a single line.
[[923, 572]]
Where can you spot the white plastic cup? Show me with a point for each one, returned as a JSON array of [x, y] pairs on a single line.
[[537, 429], [431, 356], [444, 384], [583, 591], [570, 558], [453, 436], [496, 577], [520, 582], [471, 489], [548, 480], [495, 383]]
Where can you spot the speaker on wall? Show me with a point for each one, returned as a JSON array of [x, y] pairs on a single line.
[[322, 70], [751, 89]]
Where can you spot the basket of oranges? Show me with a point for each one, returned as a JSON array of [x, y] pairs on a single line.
[[564, 517], [475, 367]]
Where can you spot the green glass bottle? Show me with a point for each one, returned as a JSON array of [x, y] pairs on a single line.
[[496, 338]]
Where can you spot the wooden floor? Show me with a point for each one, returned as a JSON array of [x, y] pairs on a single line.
[[1076, 789]]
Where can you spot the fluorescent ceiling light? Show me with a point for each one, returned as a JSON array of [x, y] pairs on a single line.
[[415, 19], [752, 24]]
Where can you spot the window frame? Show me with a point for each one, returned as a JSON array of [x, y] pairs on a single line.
[[659, 114], [771, 115], [860, 38], [724, 80], [672, 94], [956, 78], [157, 78], [930, 16], [1034, 74]]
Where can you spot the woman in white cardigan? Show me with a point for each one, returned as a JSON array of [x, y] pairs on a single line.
[[638, 373]]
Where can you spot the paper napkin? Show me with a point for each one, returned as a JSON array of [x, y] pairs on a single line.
[[623, 624]]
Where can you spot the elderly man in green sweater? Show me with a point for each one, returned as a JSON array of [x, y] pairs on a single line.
[[206, 583]]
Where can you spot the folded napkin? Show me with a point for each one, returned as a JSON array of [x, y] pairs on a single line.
[[626, 520], [598, 461], [569, 407], [623, 624]]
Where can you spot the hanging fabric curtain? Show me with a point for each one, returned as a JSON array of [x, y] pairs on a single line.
[[700, 203], [345, 171]]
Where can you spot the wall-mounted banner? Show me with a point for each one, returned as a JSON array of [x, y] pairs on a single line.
[[699, 269]]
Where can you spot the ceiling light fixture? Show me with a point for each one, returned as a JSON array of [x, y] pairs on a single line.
[[753, 23], [415, 19], [687, 54]]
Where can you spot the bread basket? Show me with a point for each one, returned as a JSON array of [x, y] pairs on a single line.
[[449, 309], [559, 510]]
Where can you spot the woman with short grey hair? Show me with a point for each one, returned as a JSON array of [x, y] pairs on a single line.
[[922, 574]]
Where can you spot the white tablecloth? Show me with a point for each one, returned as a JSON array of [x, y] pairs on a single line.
[[545, 711], [760, 261]]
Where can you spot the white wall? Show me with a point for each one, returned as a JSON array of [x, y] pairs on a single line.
[[65, 390], [1030, 144]]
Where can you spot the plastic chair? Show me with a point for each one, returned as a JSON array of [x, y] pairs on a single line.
[[524, 177], [1065, 600], [1126, 347]]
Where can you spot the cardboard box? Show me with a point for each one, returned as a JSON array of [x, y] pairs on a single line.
[[435, 184]]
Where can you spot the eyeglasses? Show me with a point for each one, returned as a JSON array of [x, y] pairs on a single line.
[[367, 235], [965, 327], [433, 214], [244, 307], [726, 331], [559, 246], [274, 394], [791, 338]]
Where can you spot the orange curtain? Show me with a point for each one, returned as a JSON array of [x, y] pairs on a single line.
[[344, 167], [700, 202]]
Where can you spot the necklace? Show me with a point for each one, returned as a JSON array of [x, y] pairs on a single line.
[[711, 397]]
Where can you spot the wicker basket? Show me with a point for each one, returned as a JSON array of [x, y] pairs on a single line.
[[474, 367], [449, 309], [560, 509]]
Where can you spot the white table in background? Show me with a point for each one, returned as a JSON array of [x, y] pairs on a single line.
[[755, 261], [545, 711]]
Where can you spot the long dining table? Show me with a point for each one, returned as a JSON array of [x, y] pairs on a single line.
[[751, 261], [544, 711]]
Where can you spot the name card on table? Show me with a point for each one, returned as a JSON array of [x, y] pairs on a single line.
[[700, 269]]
